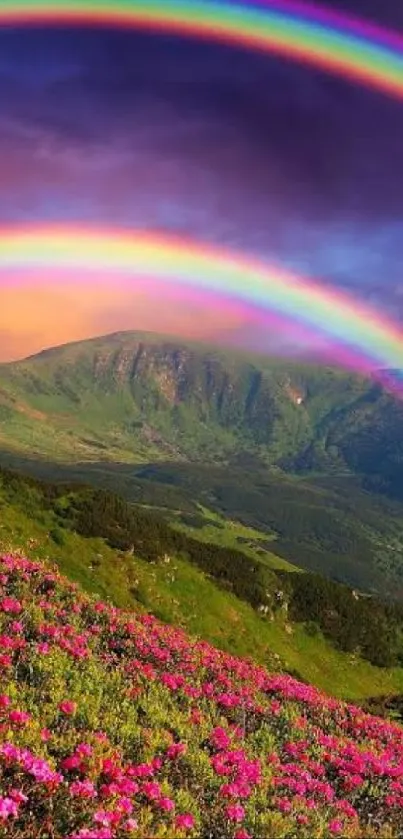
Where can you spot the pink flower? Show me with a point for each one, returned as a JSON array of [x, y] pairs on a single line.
[[106, 817], [151, 789], [19, 717], [130, 824], [18, 796], [335, 826], [68, 707], [242, 834], [176, 750], [302, 818], [185, 821], [92, 833], [83, 789], [284, 805], [219, 738], [84, 750], [124, 805], [10, 605], [5, 701], [142, 770], [235, 812], [8, 807], [166, 804]]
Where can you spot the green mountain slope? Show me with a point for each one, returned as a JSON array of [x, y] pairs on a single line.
[[289, 449], [134, 397], [33, 519], [137, 397]]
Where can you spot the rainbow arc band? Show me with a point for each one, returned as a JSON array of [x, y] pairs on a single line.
[[333, 42], [370, 339]]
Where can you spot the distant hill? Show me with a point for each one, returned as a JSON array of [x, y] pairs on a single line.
[[134, 397]]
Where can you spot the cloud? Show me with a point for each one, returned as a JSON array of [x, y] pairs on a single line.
[[233, 148]]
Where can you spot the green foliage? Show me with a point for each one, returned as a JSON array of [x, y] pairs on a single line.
[[183, 595], [366, 626], [351, 621], [136, 397]]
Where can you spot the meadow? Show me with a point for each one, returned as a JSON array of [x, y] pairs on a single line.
[[114, 724], [181, 593]]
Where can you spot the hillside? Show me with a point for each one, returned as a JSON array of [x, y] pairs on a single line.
[[135, 397], [136, 559], [298, 452], [116, 725]]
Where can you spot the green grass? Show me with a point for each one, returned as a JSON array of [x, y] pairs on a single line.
[[228, 533], [182, 595]]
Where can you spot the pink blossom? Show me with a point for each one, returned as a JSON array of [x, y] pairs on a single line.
[[235, 812], [185, 821], [83, 789], [284, 805], [166, 804], [124, 805], [19, 717], [219, 738], [10, 605], [8, 807], [176, 750], [302, 818], [151, 790], [18, 796], [68, 707], [71, 762], [335, 826]]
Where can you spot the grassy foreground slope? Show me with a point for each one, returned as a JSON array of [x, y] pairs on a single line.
[[180, 593], [115, 725], [326, 525]]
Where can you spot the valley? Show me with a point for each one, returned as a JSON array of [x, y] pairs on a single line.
[[308, 455]]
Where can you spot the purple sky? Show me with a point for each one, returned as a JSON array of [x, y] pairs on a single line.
[[245, 150]]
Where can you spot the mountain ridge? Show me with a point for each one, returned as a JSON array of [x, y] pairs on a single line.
[[248, 400]]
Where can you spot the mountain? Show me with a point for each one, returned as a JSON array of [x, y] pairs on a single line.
[[133, 397], [306, 454]]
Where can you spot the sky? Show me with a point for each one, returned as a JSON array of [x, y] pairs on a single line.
[[167, 134]]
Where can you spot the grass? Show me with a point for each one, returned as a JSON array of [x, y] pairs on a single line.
[[182, 595], [218, 530]]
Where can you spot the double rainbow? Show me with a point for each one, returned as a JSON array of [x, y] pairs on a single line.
[[330, 41]]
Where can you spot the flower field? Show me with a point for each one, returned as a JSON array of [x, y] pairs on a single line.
[[115, 725]]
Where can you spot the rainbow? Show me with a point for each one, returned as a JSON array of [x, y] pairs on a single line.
[[330, 41], [361, 334]]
